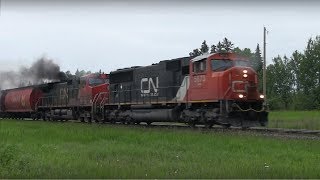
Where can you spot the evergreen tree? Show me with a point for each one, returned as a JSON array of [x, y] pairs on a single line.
[[246, 52], [227, 45], [77, 73], [213, 49], [204, 47], [219, 47], [257, 62], [195, 52]]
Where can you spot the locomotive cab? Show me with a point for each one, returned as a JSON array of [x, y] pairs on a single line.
[[230, 85], [223, 76], [91, 86]]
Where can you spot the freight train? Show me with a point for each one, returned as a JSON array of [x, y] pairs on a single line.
[[218, 88]]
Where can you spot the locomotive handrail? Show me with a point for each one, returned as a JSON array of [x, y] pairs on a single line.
[[95, 101], [55, 101], [52, 100], [103, 101]]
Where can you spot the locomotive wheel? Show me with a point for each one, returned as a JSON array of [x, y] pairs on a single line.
[[87, 119], [97, 119], [81, 118], [149, 123]]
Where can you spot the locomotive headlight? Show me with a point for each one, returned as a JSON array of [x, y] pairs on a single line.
[[245, 75], [245, 71], [240, 95], [261, 96]]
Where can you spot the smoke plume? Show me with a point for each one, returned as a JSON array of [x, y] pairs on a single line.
[[42, 71]]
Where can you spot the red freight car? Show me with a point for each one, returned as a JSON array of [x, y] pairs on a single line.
[[21, 100]]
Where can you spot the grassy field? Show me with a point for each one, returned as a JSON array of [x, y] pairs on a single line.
[[35, 149], [295, 119]]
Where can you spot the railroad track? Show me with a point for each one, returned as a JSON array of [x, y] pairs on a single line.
[[251, 129], [276, 132]]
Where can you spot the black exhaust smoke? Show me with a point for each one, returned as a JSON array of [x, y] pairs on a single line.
[[41, 71]]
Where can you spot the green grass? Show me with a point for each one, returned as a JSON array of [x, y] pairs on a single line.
[[295, 119], [36, 149]]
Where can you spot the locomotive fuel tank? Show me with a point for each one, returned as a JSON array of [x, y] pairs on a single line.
[[22, 100]]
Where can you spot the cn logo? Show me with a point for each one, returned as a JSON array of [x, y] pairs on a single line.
[[149, 87]]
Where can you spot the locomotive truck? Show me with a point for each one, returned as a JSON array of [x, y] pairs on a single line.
[[218, 88]]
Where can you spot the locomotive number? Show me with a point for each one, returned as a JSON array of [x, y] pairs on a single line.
[[198, 80], [149, 87]]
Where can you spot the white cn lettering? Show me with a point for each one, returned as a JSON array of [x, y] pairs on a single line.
[[151, 85]]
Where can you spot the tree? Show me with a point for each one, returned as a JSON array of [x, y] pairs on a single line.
[[77, 73], [204, 47], [295, 63], [246, 52], [213, 48], [279, 83], [257, 65], [68, 73], [195, 52], [309, 75], [227, 45], [219, 47], [81, 73], [257, 60]]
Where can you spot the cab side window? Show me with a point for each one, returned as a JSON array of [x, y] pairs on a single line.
[[199, 66]]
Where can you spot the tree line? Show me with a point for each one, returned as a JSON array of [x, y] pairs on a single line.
[[292, 82]]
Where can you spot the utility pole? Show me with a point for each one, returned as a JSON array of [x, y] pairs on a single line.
[[264, 65]]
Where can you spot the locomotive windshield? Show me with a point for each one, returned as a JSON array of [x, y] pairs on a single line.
[[96, 81], [224, 64], [220, 65], [241, 63]]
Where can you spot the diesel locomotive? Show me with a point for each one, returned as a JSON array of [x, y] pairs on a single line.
[[218, 88]]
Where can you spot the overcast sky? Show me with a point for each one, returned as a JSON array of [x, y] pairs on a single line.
[[106, 35]]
